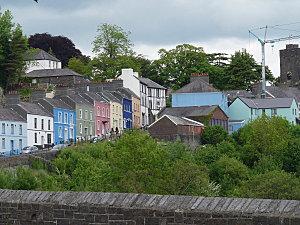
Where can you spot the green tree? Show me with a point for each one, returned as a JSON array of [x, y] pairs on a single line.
[[81, 67], [270, 185], [243, 71], [214, 135], [112, 41], [13, 45], [228, 172], [174, 67]]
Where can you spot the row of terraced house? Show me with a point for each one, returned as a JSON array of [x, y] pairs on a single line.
[[75, 109]]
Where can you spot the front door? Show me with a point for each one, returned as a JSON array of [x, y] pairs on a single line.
[[66, 135], [42, 141]]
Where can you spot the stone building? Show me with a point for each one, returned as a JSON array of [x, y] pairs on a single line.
[[290, 64]]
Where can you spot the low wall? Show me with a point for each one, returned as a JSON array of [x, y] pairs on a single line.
[[85, 208], [25, 159]]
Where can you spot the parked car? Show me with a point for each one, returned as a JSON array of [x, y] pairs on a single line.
[[96, 139], [59, 147], [29, 150]]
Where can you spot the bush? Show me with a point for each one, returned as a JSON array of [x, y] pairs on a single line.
[[214, 135]]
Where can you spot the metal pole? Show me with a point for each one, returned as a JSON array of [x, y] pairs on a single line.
[[263, 70]]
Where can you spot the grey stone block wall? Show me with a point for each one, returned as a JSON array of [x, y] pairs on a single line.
[[85, 208]]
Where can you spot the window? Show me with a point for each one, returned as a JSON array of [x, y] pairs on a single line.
[[80, 113], [98, 111], [66, 118], [256, 111], [35, 123], [273, 112], [251, 111], [86, 115], [71, 133], [103, 112], [80, 128], [60, 117], [91, 115], [98, 125], [12, 129], [113, 109], [60, 132], [3, 143], [107, 113], [42, 124], [20, 129], [49, 125], [49, 64], [49, 138], [263, 111], [91, 129], [20, 144], [157, 93], [3, 128], [35, 138], [71, 119]]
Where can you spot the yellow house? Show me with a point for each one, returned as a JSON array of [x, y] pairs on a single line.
[[116, 111]]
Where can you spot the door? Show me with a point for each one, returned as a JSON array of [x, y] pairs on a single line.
[[42, 140], [66, 135]]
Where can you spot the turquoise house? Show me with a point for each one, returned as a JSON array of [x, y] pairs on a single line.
[[244, 110]]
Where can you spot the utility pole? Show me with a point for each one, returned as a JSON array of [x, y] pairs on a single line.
[[263, 43]]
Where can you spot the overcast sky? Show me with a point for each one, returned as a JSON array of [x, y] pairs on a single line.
[[216, 25]]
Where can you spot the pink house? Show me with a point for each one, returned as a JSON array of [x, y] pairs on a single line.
[[102, 112]]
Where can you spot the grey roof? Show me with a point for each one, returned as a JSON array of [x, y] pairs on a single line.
[[52, 73], [109, 96], [191, 111], [40, 54], [34, 109], [150, 83], [267, 103], [128, 91], [10, 115], [94, 97], [78, 99], [233, 94], [57, 103], [196, 86], [181, 121]]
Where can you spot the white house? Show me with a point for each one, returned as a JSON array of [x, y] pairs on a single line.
[[39, 124], [152, 95], [40, 60]]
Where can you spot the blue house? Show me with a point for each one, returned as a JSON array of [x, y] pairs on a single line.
[[127, 109], [199, 92], [64, 120], [244, 110], [13, 133]]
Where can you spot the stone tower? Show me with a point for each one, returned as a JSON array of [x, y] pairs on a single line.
[[290, 64]]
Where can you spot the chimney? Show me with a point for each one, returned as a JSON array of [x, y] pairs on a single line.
[[200, 76], [12, 99], [292, 46]]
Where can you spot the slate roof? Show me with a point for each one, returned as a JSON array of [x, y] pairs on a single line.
[[191, 111], [109, 96], [268, 103], [126, 91], [52, 73], [57, 103], [180, 121], [10, 115], [34, 109], [150, 83], [40, 54], [233, 94], [78, 99], [94, 97], [196, 86]]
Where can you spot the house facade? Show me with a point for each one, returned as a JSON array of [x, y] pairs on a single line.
[[102, 112], [245, 109], [64, 120], [199, 92], [38, 59], [85, 123], [40, 130], [13, 134], [116, 110], [172, 128]]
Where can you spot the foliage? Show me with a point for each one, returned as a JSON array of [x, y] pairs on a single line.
[[61, 47], [112, 41], [271, 185], [13, 45], [243, 71], [213, 135], [25, 94], [81, 66]]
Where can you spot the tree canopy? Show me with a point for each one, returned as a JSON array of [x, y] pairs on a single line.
[[13, 45], [61, 47]]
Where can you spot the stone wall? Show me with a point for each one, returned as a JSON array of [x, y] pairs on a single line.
[[26, 159], [70, 208]]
